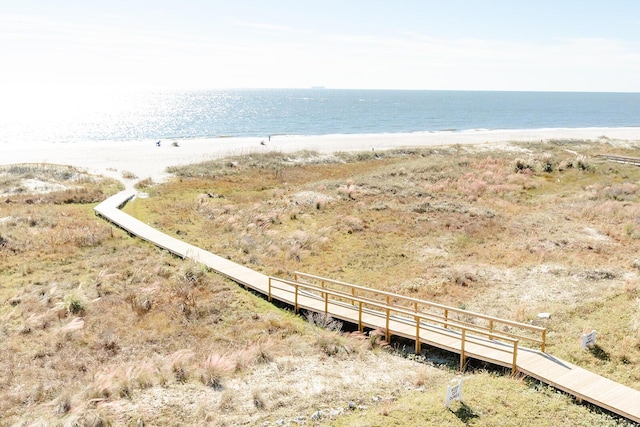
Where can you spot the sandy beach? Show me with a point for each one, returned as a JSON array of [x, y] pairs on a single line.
[[145, 159]]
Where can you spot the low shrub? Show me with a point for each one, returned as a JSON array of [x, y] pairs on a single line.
[[523, 166], [324, 321], [74, 304], [215, 369], [144, 184], [129, 175]]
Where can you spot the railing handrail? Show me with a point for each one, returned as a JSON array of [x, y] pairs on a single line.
[[417, 317], [507, 322], [395, 309], [623, 159], [434, 318]]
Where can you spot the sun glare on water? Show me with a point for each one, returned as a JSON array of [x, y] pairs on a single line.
[[65, 113]]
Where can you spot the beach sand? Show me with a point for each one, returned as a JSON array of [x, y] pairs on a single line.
[[146, 160]]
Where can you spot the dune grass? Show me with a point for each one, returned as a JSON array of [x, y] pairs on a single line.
[[488, 400], [114, 331], [100, 328], [511, 231]]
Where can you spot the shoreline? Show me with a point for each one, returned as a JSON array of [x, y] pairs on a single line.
[[144, 159]]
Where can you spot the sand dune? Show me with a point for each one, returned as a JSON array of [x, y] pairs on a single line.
[[145, 159]]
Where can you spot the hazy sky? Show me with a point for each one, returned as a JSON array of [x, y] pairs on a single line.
[[554, 45]]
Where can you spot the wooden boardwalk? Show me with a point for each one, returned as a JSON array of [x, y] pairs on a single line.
[[469, 334], [621, 159]]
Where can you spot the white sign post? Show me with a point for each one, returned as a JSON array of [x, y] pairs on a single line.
[[454, 392], [588, 339]]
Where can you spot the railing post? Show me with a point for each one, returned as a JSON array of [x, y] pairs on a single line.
[[417, 334], [446, 318], [360, 317], [353, 294], [491, 328], [296, 299], [322, 286], [326, 303], [514, 366], [269, 294], [462, 358], [387, 333], [544, 340], [295, 277]]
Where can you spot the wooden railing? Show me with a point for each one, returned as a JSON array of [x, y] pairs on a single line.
[[442, 314], [309, 295], [621, 159]]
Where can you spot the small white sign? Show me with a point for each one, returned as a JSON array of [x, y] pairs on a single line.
[[588, 339], [454, 392]]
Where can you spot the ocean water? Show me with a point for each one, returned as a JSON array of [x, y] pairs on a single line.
[[86, 115]]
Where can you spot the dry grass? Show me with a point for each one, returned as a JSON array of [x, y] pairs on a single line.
[[39, 183], [512, 231], [115, 331]]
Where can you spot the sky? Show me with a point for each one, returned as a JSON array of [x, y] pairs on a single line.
[[541, 45]]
